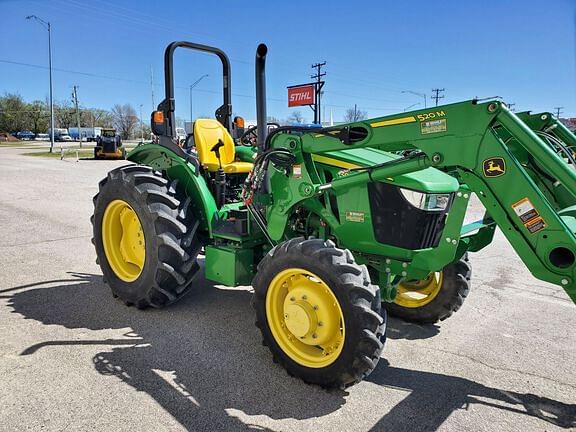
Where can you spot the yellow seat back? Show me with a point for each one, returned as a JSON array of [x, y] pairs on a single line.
[[207, 132]]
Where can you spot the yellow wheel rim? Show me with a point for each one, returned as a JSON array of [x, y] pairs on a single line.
[[123, 240], [305, 318], [419, 293]]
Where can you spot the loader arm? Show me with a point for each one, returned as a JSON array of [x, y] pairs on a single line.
[[532, 200]]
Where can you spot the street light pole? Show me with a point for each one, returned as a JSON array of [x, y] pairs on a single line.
[[49, 27], [141, 126], [411, 106], [422, 95], [194, 84]]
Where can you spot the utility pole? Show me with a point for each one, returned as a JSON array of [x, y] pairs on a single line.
[[49, 28], [511, 106], [558, 111], [75, 100], [437, 96], [318, 90]]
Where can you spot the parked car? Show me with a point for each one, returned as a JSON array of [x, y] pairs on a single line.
[[25, 135], [42, 137], [63, 137]]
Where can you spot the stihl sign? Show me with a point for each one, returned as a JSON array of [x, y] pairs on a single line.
[[301, 95]]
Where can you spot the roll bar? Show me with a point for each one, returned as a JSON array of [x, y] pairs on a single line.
[[167, 106]]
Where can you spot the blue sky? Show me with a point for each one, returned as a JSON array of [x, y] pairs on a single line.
[[523, 51]]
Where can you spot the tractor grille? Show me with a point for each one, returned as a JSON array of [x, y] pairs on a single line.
[[398, 223]]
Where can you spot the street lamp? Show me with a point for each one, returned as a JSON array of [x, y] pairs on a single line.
[[411, 106], [422, 95], [141, 126], [191, 87], [49, 28]]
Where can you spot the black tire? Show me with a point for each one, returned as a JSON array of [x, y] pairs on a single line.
[[365, 321], [454, 290], [170, 231]]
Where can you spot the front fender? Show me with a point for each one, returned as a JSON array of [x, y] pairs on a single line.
[[186, 172]]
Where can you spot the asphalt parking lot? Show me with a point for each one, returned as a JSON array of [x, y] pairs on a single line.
[[74, 358]]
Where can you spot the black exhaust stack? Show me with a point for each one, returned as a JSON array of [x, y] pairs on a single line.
[[261, 117]]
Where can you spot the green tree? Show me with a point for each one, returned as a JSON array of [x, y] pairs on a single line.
[[12, 113]]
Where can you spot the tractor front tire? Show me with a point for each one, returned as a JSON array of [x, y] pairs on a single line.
[[436, 298], [145, 237], [318, 312]]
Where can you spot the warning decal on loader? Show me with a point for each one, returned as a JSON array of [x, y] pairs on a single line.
[[433, 126], [525, 210], [529, 215], [535, 225], [354, 216]]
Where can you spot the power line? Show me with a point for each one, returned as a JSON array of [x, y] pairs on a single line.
[[437, 95], [148, 83]]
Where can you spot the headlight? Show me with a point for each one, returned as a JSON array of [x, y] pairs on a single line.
[[425, 201]]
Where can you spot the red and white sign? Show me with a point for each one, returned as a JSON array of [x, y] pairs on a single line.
[[301, 95]]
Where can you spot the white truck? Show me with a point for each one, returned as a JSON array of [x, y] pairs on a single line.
[[88, 133]]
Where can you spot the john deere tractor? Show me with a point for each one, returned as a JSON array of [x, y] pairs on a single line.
[[328, 224]]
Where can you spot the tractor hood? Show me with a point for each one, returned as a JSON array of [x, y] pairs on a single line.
[[429, 180]]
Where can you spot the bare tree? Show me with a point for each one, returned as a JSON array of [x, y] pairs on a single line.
[[65, 115], [295, 117], [354, 115], [94, 117], [125, 120], [38, 116]]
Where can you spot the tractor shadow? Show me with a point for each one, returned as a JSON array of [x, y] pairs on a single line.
[[399, 329], [202, 357], [424, 410], [197, 359]]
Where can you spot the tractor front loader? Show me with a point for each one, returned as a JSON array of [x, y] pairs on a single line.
[[328, 224]]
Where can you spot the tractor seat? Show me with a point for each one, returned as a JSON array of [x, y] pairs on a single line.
[[207, 132]]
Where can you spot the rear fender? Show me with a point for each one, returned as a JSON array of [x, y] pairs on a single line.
[[187, 173]]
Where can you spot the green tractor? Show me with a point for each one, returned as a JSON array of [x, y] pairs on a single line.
[[329, 224]]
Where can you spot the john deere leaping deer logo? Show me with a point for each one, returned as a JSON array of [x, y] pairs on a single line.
[[494, 167]]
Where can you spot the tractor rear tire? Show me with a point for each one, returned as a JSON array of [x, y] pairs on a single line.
[[448, 298], [340, 340], [170, 239]]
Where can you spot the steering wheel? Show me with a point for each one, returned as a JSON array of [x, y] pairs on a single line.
[[250, 136]]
